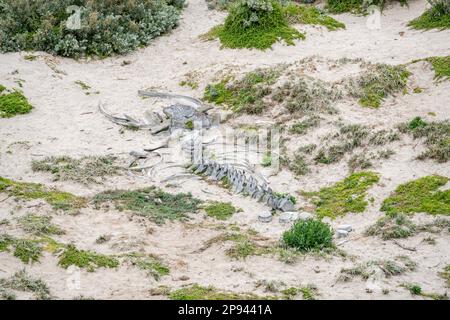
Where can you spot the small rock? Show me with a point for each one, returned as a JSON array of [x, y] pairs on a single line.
[[183, 278], [304, 216], [316, 269], [265, 217], [286, 205], [345, 227], [342, 233], [286, 217]]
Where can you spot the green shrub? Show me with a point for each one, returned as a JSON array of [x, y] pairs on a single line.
[[27, 250], [107, 26], [344, 196], [39, 225], [197, 292], [13, 103], [437, 17], [256, 24], [421, 195], [310, 234], [441, 66]]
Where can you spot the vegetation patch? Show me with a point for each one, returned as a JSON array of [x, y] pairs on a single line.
[[21, 281], [345, 196], [446, 275], [198, 292], [84, 170], [437, 17], [307, 235], [149, 263], [436, 137], [416, 290], [152, 203], [295, 13], [85, 259], [106, 27], [379, 82], [26, 250], [220, 210], [302, 127], [13, 103], [441, 66], [256, 24], [29, 191], [39, 225], [244, 95], [421, 195]]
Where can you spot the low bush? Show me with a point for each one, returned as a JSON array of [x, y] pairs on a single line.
[[310, 234], [106, 26], [256, 24], [356, 6]]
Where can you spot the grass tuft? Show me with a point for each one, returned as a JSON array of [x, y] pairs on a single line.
[[149, 263], [441, 66], [345, 196], [220, 210]]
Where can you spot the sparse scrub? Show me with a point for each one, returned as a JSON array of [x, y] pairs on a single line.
[[107, 27], [85, 259], [256, 24], [416, 290], [304, 96], [446, 275], [392, 227], [85, 170], [151, 202], [345, 196], [436, 137], [421, 195], [298, 165], [400, 265], [437, 17], [28, 191], [307, 235], [303, 126], [244, 95], [379, 82], [13, 103], [39, 225], [21, 281], [220, 210]]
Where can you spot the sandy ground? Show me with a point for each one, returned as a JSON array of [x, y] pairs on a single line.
[[65, 121]]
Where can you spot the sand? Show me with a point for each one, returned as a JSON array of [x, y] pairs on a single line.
[[66, 121]]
